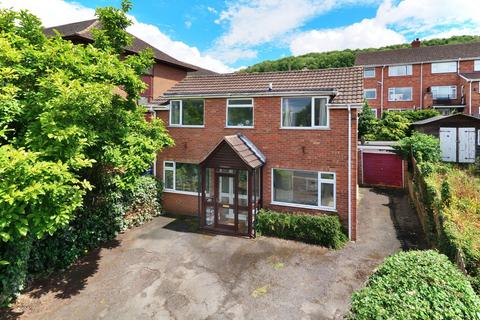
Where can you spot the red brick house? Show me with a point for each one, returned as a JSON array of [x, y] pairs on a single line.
[[443, 77], [280, 140], [166, 71]]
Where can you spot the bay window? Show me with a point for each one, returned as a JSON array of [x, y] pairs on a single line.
[[240, 113], [181, 177], [400, 94], [187, 113], [298, 188], [305, 112]]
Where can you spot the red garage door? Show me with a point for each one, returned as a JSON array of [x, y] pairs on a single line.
[[382, 169]]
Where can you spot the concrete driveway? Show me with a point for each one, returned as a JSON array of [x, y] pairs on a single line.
[[166, 270]]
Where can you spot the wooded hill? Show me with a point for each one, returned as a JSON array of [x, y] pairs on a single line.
[[343, 58]]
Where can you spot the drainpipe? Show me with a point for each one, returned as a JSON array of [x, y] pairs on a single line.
[[470, 99], [381, 96], [421, 85], [350, 172]]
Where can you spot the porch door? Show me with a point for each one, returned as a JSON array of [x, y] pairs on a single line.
[[226, 212]]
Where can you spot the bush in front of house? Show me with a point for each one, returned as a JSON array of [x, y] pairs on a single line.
[[323, 230], [416, 285], [423, 147]]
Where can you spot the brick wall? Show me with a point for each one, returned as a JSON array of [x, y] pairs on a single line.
[[420, 97], [319, 150], [164, 77]]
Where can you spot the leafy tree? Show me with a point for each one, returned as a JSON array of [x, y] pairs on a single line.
[[367, 122], [422, 146]]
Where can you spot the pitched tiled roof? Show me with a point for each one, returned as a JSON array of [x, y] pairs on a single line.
[[83, 30], [421, 54], [346, 82], [471, 75]]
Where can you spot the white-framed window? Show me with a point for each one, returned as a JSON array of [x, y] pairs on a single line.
[[370, 94], [402, 70], [444, 67], [374, 111], [187, 113], [240, 113], [180, 177], [369, 72], [400, 94], [305, 112], [476, 65], [444, 92], [304, 189]]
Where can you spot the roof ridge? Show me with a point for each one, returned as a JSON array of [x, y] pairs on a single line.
[[95, 23], [71, 23], [421, 48]]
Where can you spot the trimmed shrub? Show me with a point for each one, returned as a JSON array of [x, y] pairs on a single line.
[[416, 285], [323, 230]]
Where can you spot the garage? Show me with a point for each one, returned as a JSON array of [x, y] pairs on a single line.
[[380, 166]]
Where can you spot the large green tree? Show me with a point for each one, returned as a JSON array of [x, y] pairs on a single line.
[[68, 119]]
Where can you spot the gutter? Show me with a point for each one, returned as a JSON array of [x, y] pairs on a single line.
[[250, 94], [421, 85]]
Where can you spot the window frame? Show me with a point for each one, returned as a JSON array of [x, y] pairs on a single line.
[[447, 86], [319, 191], [370, 89], [411, 94], [369, 68], [476, 65], [408, 70], [312, 105], [443, 62], [240, 106], [181, 125], [173, 169]]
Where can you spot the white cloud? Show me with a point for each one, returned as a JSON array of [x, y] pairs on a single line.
[[393, 23], [58, 12]]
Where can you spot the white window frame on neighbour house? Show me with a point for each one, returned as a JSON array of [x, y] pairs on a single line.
[[476, 65], [321, 180], [180, 117], [400, 70], [171, 166], [395, 94], [435, 89], [444, 67], [312, 106], [366, 70], [245, 106], [370, 90]]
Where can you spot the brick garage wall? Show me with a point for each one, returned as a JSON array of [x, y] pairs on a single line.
[[306, 149]]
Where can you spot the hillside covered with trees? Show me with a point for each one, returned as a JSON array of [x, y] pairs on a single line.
[[343, 58]]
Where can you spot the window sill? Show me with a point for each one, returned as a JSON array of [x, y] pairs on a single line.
[[188, 193], [175, 126], [303, 206], [239, 127], [306, 128]]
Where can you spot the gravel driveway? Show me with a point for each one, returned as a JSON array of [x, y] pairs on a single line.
[[167, 270]]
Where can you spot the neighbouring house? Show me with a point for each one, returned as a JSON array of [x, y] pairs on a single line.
[[165, 73], [286, 141], [459, 136], [443, 77]]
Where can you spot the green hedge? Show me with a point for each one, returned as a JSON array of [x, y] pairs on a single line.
[[106, 212], [416, 285], [324, 230]]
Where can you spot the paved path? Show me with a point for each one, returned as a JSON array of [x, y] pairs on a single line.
[[166, 270]]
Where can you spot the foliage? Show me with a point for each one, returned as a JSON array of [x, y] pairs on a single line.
[[394, 125], [105, 214], [344, 58], [433, 289], [13, 274], [423, 147], [324, 230]]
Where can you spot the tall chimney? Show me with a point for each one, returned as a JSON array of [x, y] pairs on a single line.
[[416, 43]]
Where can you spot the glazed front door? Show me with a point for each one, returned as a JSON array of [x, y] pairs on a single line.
[[226, 209]]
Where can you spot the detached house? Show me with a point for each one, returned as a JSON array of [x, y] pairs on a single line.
[[165, 72], [280, 140], [443, 77]]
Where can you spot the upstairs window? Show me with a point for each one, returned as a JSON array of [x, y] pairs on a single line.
[[397, 71], [186, 113], [400, 94], [305, 112], [240, 113], [476, 65], [370, 94], [369, 73], [444, 67], [444, 92]]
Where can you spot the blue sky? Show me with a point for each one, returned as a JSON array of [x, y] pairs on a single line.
[[225, 35]]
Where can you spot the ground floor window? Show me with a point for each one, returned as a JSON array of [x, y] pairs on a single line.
[[183, 177], [304, 188]]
